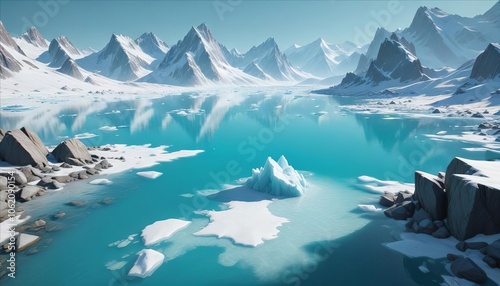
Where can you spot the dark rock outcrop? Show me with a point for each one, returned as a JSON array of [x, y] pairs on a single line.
[[401, 211], [430, 194], [472, 200], [69, 67], [487, 64], [22, 147], [73, 152]]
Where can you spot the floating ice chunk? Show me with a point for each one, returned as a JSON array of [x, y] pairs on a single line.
[[423, 269], [246, 223], [442, 132], [162, 230], [370, 208], [85, 135], [277, 179], [150, 174], [108, 128], [115, 265], [100, 182], [182, 113], [148, 261], [7, 225], [25, 240]]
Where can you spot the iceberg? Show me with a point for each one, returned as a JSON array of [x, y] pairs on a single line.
[[150, 174], [277, 179], [148, 261]]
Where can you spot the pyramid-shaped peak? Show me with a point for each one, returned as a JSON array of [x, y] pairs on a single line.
[[394, 37]]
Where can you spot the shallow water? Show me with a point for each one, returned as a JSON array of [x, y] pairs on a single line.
[[327, 239]]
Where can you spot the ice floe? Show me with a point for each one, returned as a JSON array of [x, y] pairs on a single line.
[[150, 174], [162, 230], [108, 128], [148, 261], [100, 182], [246, 223], [85, 135]]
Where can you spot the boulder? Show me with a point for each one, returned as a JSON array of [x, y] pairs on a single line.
[[64, 179], [4, 183], [430, 194], [441, 233], [400, 211], [49, 183], [403, 196], [421, 215], [493, 250], [467, 269], [387, 200], [2, 134], [73, 152], [17, 148], [19, 177], [105, 164], [490, 261], [426, 226], [36, 140], [453, 257], [29, 192], [31, 173], [473, 198]]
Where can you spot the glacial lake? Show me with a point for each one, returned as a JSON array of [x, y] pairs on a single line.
[[328, 240]]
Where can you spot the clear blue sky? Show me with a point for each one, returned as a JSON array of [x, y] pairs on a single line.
[[235, 23]]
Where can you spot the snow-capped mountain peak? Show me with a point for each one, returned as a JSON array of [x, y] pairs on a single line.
[[196, 60], [120, 59], [152, 45], [7, 40], [34, 37]]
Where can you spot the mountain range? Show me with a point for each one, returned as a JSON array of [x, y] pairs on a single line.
[[434, 45]]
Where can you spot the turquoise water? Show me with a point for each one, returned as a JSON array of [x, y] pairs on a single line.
[[327, 241]]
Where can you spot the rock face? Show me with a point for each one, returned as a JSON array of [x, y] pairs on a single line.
[[473, 198], [73, 152], [430, 194], [22, 147], [487, 64]]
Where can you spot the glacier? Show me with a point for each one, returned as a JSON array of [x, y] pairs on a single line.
[[277, 179]]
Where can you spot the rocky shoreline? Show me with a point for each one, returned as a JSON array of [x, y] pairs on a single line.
[[38, 175], [462, 202]]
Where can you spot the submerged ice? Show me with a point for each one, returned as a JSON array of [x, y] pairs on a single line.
[[277, 179]]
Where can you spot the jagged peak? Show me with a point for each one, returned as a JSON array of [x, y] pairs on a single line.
[[394, 37]]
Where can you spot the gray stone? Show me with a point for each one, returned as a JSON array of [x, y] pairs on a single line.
[[19, 177], [3, 183], [490, 261], [453, 257], [29, 192], [493, 250], [59, 215], [400, 211], [461, 246], [18, 149], [66, 165], [426, 226], [73, 152], [420, 215], [403, 196], [441, 233], [77, 203], [36, 140], [49, 183], [409, 225], [439, 223], [467, 269], [63, 179], [431, 195], [39, 223], [92, 171], [30, 174], [105, 164], [387, 200]]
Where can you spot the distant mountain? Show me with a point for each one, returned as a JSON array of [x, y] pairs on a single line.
[[270, 60], [394, 61], [371, 54], [487, 64], [152, 45], [121, 59], [196, 60], [6, 39], [34, 37], [70, 68], [323, 59], [60, 50], [443, 39]]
